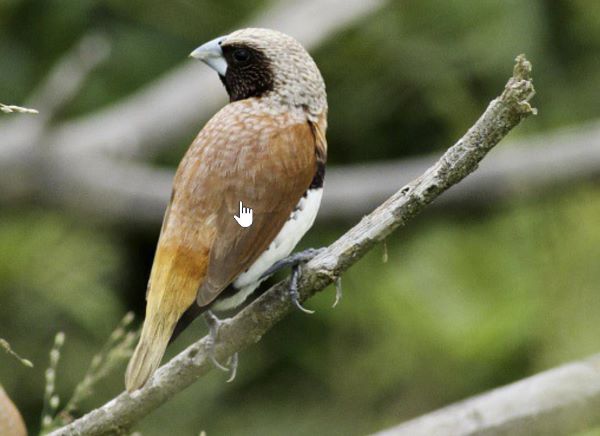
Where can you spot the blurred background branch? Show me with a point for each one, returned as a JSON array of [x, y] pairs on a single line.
[[137, 193], [23, 152], [563, 400]]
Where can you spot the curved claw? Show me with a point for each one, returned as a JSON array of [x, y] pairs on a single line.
[[216, 363], [302, 308], [233, 364], [338, 291]]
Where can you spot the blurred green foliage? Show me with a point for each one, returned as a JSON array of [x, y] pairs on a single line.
[[55, 274], [468, 300]]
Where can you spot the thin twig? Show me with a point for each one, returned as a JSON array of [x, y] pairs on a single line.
[[10, 108], [249, 325], [6, 347]]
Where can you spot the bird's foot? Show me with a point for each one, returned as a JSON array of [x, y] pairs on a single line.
[[295, 296], [295, 261], [214, 324], [293, 290]]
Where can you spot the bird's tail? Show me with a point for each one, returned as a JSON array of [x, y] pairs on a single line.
[[174, 281], [149, 351]]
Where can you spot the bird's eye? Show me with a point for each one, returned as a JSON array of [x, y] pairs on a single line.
[[241, 55]]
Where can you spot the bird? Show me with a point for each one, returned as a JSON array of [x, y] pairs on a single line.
[[265, 149]]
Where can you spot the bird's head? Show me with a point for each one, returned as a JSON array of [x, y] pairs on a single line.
[[266, 63]]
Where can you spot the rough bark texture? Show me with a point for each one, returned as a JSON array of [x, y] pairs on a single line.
[[248, 326]]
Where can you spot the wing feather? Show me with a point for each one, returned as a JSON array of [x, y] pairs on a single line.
[[287, 164], [266, 161]]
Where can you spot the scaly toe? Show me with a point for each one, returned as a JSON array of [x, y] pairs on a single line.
[[213, 332]]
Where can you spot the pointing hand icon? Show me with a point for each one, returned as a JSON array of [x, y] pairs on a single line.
[[245, 218]]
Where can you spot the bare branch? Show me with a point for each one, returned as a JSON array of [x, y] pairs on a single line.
[[250, 324], [561, 401]]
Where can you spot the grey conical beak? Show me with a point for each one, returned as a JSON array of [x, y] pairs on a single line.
[[212, 55]]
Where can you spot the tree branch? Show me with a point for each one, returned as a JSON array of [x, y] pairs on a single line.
[[250, 324], [563, 400]]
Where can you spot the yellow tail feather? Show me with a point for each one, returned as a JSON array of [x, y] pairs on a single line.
[[148, 353], [176, 275]]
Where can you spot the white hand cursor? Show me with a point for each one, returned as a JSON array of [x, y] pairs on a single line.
[[245, 218]]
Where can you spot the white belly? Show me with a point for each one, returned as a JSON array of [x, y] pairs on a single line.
[[301, 219]]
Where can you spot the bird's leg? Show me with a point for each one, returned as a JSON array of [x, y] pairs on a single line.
[[295, 260], [292, 260], [213, 332]]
